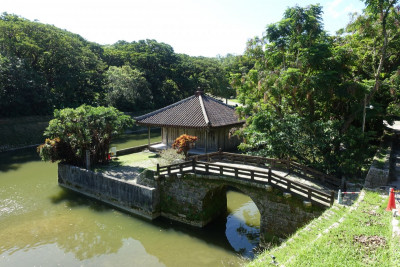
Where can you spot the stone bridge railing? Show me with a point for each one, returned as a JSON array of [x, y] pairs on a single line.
[[267, 177]]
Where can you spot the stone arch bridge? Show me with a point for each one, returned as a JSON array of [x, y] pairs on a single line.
[[194, 192]]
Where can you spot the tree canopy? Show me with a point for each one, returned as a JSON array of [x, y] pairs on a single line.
[[72, 132], [305, 93], [43, 67]]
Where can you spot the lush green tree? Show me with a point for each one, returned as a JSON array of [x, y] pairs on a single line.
[[300, 92], [128, 90], [62, 68], [74, 131], [373, 38]]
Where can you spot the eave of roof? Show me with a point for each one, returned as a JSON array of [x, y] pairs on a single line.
[[197, 111]]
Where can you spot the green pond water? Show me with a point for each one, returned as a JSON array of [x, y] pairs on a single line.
[[42, 224]]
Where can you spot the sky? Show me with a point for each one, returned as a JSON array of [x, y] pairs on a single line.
[[193, 27]]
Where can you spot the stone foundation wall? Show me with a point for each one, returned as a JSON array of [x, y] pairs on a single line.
[[133, 198], [198, 199], [379, 172]]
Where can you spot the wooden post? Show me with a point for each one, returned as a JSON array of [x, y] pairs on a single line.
[[166, 138], [309, 194], [180, 168], [205, 141], [269, 174], [332, 197], [158, 169], [289, 185], [169, 170], [207, 168], [87, 160], [193, 165], [221, 170], [148, 139], [252, 175], [236, 173]]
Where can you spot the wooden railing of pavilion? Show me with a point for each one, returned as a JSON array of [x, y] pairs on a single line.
[[198, 164]]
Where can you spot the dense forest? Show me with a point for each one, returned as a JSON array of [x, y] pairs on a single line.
[[43, 68], [303, 91]]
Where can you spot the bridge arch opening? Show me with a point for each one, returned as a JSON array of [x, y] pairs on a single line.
[[239, 217]]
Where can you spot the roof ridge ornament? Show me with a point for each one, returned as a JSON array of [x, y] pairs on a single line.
[[199, 92]]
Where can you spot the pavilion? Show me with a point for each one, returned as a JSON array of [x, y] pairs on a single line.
[[212, 121]]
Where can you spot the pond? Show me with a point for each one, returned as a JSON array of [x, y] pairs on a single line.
[[43, 224]]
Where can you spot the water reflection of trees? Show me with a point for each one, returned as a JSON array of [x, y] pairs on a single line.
[[71, 234]]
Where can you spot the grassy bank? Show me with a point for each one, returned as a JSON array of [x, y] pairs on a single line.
[[22, 131], [359, 235]]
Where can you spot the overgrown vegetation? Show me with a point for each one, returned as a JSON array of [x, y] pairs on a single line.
[[169, 156], [72, 132], [305, 93], [343, 236], [45, 68]]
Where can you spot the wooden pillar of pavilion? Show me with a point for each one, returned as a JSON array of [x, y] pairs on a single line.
[[148, 138]]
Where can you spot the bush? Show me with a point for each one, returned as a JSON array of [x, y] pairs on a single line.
[[170, 156], [73, 131]]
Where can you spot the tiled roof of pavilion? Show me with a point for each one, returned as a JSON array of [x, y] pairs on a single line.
[[197, 111]]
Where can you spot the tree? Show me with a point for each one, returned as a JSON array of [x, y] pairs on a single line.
[[184, 143], [298, 93], [374, 40], [128, 90], [73, 131], [50, 66]]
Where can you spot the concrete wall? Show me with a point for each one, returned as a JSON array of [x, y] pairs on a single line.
[[134, 198]]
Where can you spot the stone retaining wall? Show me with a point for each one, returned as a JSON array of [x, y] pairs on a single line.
[[379, 172], [131, 197]]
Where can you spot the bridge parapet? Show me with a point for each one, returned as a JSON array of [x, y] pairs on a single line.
[[257, 175]]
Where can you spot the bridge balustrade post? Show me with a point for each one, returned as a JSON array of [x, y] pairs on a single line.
[[309, 194], [193, 165], [221, 170], [169, 170], [332, 197], [180, 168], [236, 173], [269, 174], [158, 169], [289, 185], [252, 175], [207, 168]]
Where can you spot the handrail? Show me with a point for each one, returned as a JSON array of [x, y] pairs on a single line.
[[257, 160], [265, 177]]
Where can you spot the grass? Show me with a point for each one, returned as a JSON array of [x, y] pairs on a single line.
[[140, 161], [357, 236], [22, 131]]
